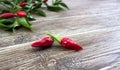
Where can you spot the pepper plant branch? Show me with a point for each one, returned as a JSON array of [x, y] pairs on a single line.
[[23, 9]]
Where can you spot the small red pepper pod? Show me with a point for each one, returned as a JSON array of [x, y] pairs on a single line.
[[23, 4], [21, 14], [67, 43], [70, 44], [7, 15], [44, 43]]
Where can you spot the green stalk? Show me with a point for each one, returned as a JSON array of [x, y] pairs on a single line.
[[54, 37]]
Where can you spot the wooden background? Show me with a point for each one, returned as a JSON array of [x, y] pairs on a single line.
[[95, 24]]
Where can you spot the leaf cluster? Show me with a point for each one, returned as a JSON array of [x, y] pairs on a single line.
[[33, 6]]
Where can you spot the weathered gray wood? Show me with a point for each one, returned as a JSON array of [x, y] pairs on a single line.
[[94, 14], [101, 48], [95, 24]]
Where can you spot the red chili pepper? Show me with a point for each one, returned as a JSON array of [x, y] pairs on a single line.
[[23, 4], [21, 14], [67, 43], [45, 1], [44, 43], [70, 44], [7, 15]]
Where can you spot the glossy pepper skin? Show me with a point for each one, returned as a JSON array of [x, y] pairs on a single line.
[[21, 14], [67, 43], [44, 43], [23, 4], [70, 44], [7, 15]]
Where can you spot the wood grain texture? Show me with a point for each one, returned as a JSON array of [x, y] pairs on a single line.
[[101, 48], [83, 16], [95, 24]]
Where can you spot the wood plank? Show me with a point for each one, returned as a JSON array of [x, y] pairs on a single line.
[[101, 48], [62, 26], [92, 23], [90, 15]]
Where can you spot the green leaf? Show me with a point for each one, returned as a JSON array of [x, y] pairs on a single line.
[[57, 2], [64, 5], [55, 8], [40, 12], [8, 2], [24, 22], [31, 18], [17, 8], [38, 5], [14, 25], [29, 7], [19, 1], [1, 12], [11, 26], [6, 21], [30, 1], [6, 27]]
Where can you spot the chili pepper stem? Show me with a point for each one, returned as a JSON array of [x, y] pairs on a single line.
[[58, 39]]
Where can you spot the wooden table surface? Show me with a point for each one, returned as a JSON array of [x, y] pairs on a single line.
[[95, 24]]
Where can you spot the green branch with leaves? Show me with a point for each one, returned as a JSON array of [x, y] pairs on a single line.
[[15, 14]]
